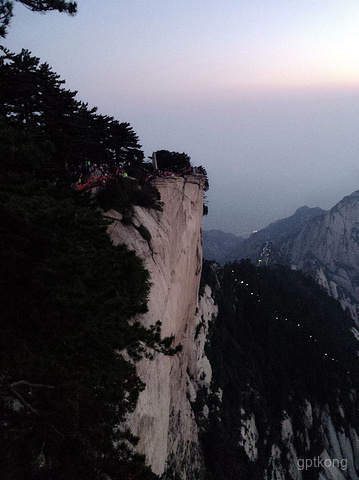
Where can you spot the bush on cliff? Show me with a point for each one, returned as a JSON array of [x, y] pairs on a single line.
[[123, 193], [172, 161]]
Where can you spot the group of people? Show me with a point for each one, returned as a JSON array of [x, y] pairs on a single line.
[[87, 175], [90, 175]]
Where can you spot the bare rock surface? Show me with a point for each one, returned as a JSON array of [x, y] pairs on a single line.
[[163, 419]]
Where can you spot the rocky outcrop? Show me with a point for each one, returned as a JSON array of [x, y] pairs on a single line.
[[311, 439], [170, 244], [323, 244], [329, 250], [338, 459]]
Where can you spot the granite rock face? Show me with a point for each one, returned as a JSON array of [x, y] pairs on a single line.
[[163, 419], [329, 250]]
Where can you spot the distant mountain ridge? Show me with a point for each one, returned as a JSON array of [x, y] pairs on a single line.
[[226, 247], [220, 246], [281, 232], [324, 244]]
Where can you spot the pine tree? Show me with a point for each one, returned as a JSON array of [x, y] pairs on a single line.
[[33, 100], [172, 161]]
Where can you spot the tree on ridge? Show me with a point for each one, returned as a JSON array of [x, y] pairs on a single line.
[[35, 104], [172, 161]]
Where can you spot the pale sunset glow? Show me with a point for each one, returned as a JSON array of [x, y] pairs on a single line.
[[264, 94]]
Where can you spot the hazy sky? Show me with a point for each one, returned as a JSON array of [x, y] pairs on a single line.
[[263, 93]]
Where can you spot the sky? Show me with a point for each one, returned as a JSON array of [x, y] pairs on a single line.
[[263, 93]]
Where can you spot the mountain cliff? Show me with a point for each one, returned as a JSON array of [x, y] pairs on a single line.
[[172, 253], [265, 386]]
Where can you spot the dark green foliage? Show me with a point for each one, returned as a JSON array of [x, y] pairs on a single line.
[[67, 295], [6, 9], [203, 171], [268, 351], [56, 134], [122, 193], [48, 5], [172, 161]]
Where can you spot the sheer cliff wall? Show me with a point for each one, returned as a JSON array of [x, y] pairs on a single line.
[[163, 419]]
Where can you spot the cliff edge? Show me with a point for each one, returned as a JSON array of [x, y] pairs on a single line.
[[163, 419]]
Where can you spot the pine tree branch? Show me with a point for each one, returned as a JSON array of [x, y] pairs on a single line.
[[31, 385], [21, 399]]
